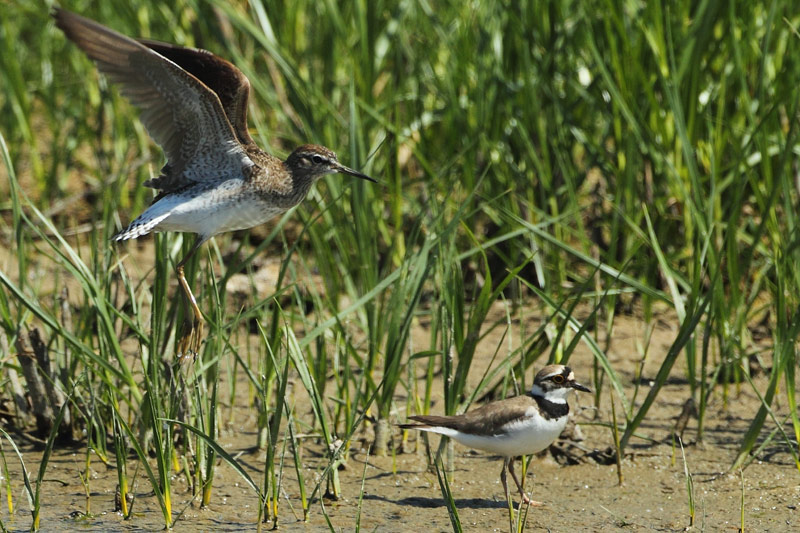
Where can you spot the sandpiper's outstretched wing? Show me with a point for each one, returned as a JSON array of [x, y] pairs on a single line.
[[220, 75], [181, 113]]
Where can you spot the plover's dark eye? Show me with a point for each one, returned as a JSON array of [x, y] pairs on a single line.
[[317, 159], [558, 380]]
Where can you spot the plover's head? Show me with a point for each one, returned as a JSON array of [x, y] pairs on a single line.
[[554, 382]]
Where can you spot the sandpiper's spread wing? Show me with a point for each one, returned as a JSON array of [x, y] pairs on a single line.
[[181, 113], [485, 420], [220, 75]]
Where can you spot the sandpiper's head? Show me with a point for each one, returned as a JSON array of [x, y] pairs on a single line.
[[555, 382], [312, 161]]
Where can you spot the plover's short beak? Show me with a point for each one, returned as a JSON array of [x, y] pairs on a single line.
[[577, 386], [341, 169]]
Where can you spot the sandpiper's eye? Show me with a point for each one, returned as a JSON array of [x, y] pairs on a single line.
[[317, 159], [559, 379]]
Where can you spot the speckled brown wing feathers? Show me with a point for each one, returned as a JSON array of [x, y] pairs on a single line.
[[486, 420], [221, 76], [183, 115]]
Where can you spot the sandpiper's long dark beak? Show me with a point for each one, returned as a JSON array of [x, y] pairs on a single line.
[[577, 386], [341, 169]]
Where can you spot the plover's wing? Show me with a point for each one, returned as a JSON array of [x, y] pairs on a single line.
[[183, 115], [220, 75], [490, 419], [429, 421]]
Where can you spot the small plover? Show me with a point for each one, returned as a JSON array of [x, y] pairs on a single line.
[[522, 425]]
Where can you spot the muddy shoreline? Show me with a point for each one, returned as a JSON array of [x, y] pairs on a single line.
[[401, 494]]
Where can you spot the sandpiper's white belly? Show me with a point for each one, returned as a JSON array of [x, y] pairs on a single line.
[[525, 436], [222, 208]]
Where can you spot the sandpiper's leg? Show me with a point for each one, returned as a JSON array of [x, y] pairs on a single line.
[[525, 498], [192, 335]]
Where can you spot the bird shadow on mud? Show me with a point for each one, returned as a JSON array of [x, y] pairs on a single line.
[[424, 502]]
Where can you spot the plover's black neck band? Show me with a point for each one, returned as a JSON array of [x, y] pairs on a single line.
[[550, 410]]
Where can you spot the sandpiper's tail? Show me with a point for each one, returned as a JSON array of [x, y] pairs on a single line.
[[140, 226]]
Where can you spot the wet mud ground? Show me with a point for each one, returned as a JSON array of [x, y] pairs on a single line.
[[402, 494]]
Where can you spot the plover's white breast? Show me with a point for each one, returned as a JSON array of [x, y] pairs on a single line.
[[524, 436]]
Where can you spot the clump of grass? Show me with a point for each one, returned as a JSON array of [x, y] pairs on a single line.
[[741, 503], [361, 492], [33, 490], [447, 494], [399, 313], [689, 486]]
